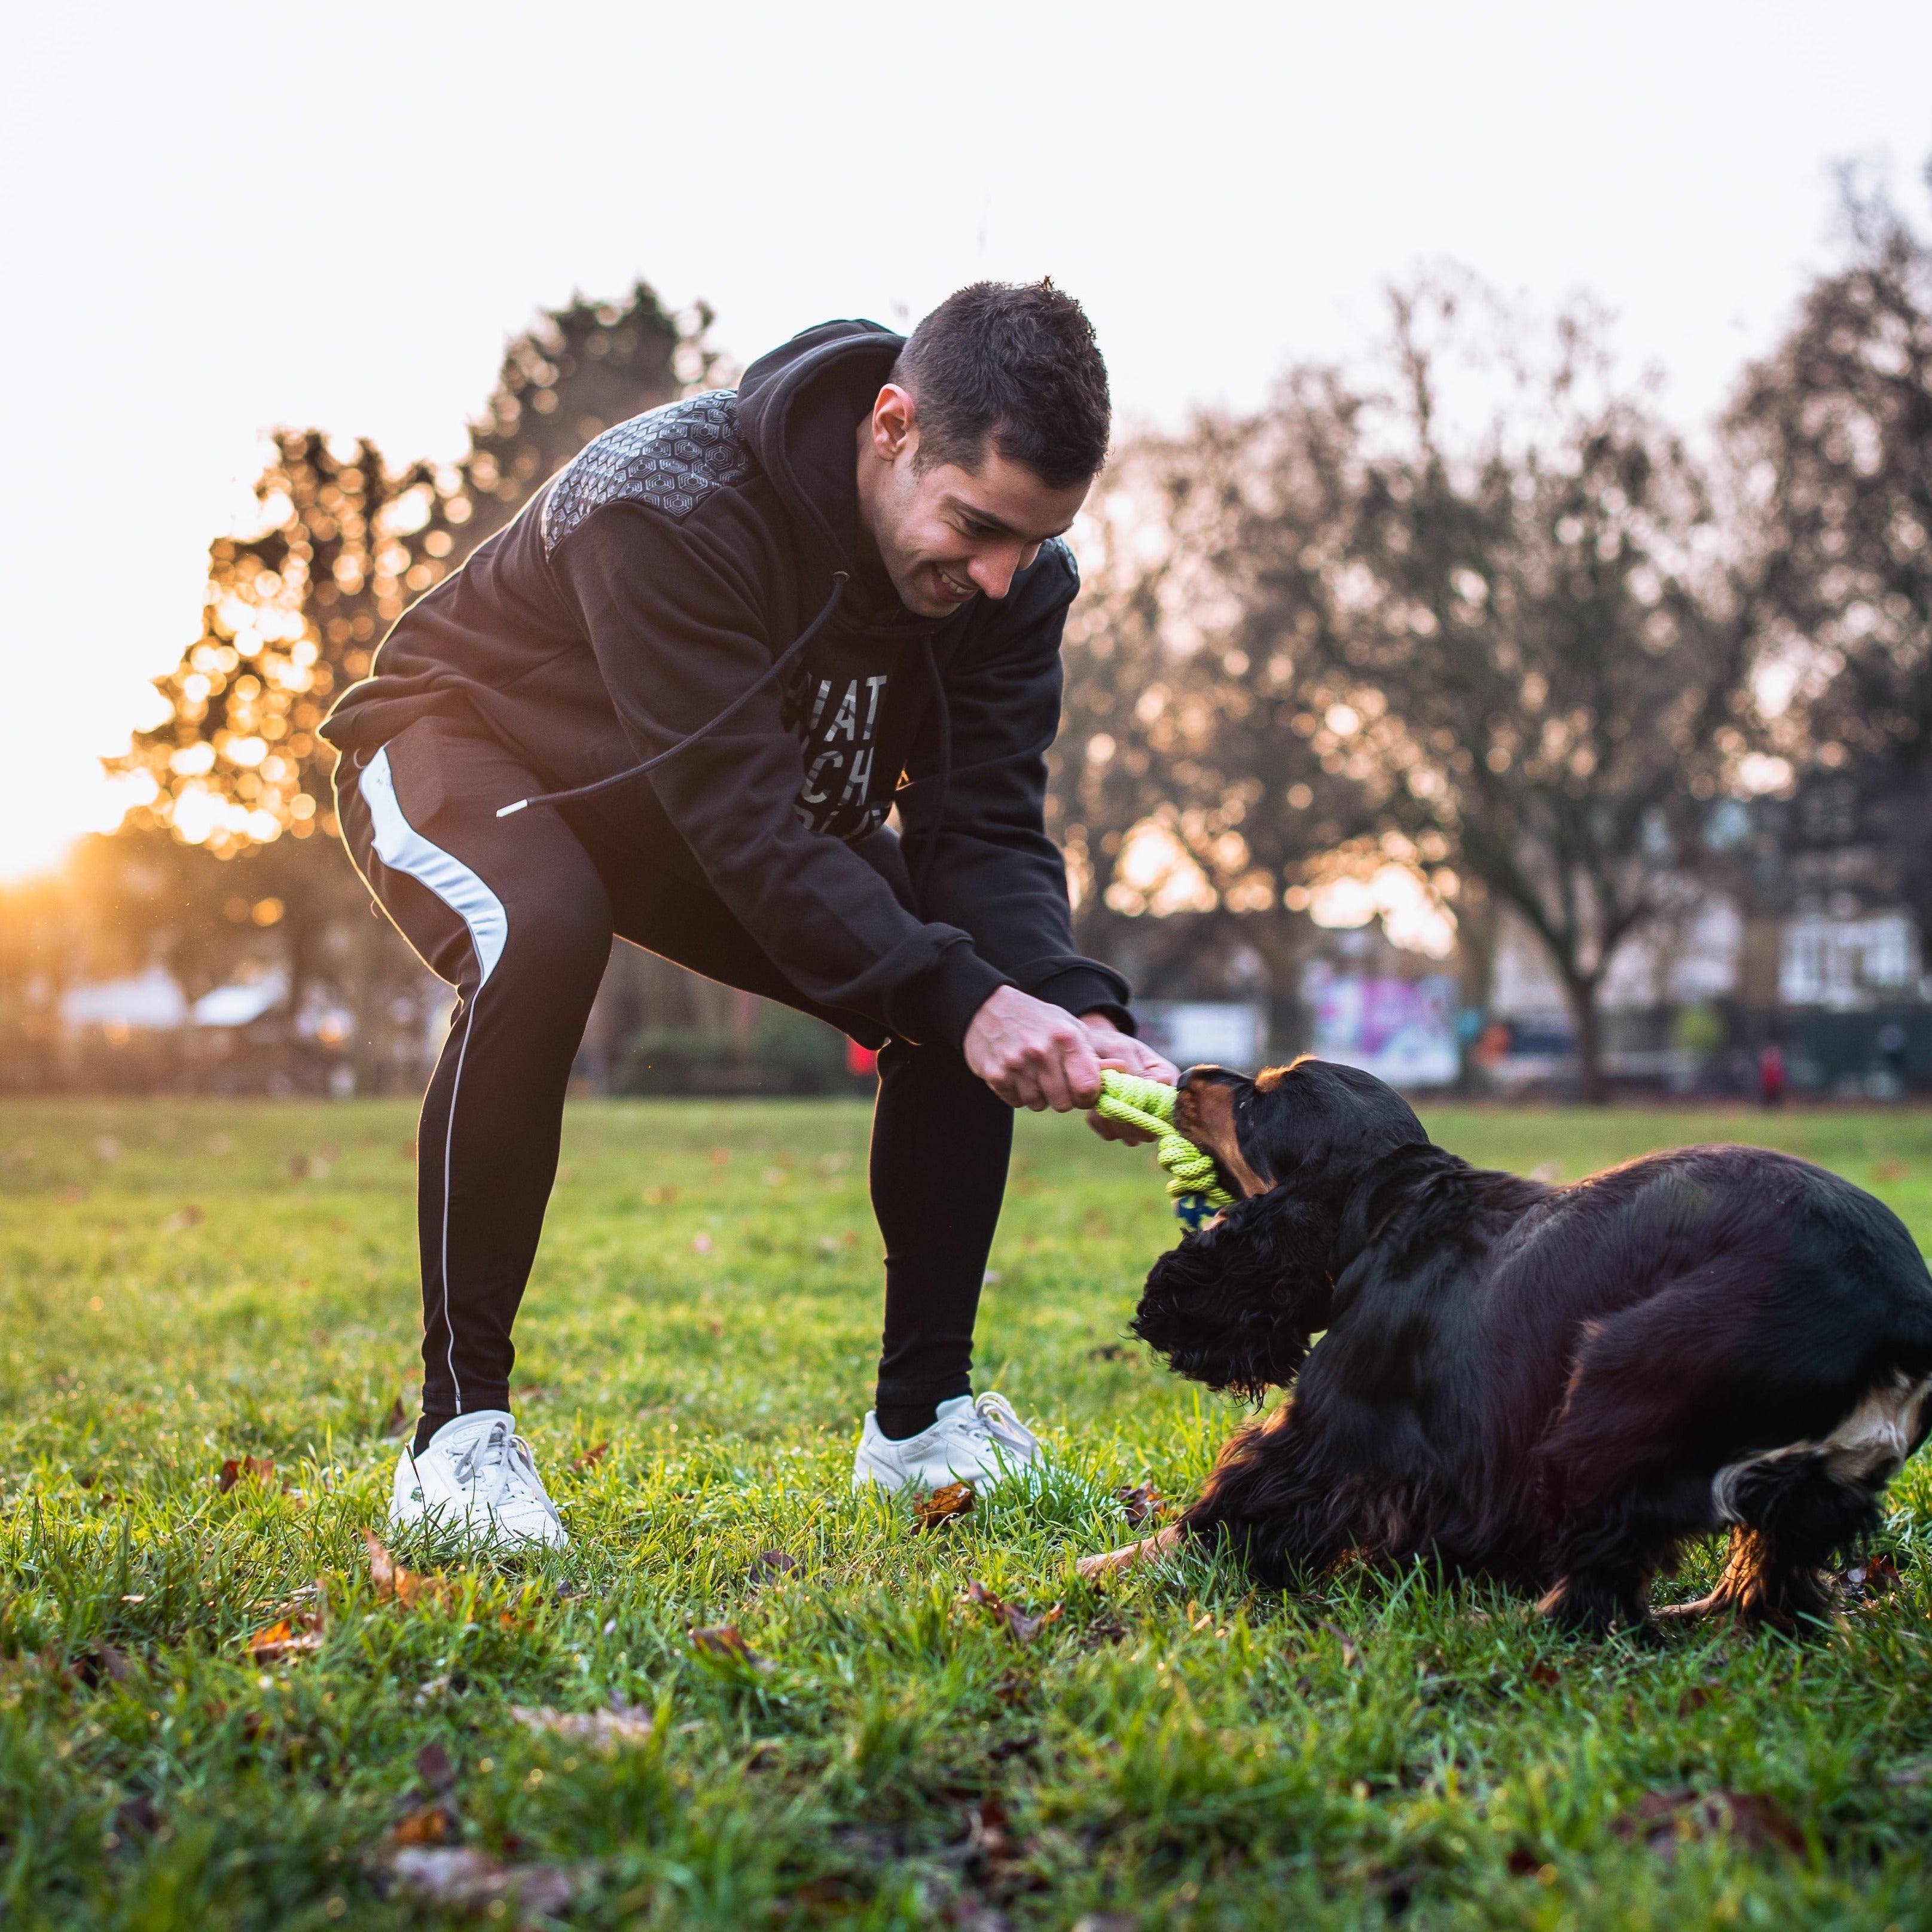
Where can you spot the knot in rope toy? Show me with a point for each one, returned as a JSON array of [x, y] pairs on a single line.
[[1192, 1181]]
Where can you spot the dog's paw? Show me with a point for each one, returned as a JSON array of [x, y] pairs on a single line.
[[1108, 1563]]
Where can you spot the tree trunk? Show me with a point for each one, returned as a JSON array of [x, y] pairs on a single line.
[[301, 942], [1582, 992], [1476, 941]]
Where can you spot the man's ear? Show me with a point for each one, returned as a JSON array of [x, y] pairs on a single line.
[[895, 424], [1233, 1306]]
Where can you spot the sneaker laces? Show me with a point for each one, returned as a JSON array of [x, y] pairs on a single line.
[[999, 1419], [506, 1471]]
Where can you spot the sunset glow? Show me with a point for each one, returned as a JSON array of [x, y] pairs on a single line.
[[153, 346]]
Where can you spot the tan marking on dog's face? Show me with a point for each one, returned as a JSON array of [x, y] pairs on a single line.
[[1205, 1113]]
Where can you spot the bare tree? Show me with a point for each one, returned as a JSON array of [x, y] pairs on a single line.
[[1510, 660], [295, 609], [1190, 812], [1528, 647], [1831, 434]]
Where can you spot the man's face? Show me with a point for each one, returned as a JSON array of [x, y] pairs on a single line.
[[946, 534]]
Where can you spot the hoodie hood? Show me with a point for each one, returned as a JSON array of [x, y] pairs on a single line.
[[798, 409]]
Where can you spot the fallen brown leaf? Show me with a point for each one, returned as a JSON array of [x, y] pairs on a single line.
[[394, 1583], [469, 1880], [590, 1457], [434, 1768], [601, 1730], [286, 1637], [1664, 1819], [428, 1825], [1026, 1628], [942, 1505], [1874, 1576], [989, 1831], [245, 1468], [1891, 1170], [1140, 1502], [183, 1219], [1018, 1625], [396, 1423], [1547, 1674], [724, 1643]]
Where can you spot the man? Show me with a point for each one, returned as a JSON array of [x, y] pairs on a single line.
[[878, 521]]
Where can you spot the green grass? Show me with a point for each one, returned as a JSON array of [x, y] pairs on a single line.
[[1183, 1750]]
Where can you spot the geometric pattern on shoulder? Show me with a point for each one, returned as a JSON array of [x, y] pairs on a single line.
[[672, 457]]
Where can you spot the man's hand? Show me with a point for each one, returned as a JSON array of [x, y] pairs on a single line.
[[1121, 1050], [1035, 1055], [1032, 1055]]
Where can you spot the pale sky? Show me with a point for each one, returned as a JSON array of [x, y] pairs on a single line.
[[223, 218]]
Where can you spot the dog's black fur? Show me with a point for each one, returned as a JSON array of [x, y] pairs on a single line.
[[1536, 1383]]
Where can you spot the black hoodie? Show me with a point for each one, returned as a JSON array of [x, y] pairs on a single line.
[[653, 579]]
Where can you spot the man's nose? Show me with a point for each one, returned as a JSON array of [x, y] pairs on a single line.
[[993, 571]]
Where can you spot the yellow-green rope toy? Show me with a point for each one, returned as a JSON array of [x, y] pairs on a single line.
[[1197, 1193]]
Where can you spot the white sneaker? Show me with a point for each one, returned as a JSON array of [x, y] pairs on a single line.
[[973, 1441], [477, 1474]]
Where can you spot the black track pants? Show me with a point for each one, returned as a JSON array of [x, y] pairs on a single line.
[[517, 914]]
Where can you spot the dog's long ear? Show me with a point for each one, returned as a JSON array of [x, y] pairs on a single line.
[[1233, 1306]]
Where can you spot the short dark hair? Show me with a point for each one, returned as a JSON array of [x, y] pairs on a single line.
[[1016, 364]]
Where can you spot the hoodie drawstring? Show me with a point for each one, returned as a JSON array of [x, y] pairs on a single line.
[[839, 579], [943, 777]]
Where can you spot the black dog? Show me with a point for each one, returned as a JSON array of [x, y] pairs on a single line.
[[1554, 1386]]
